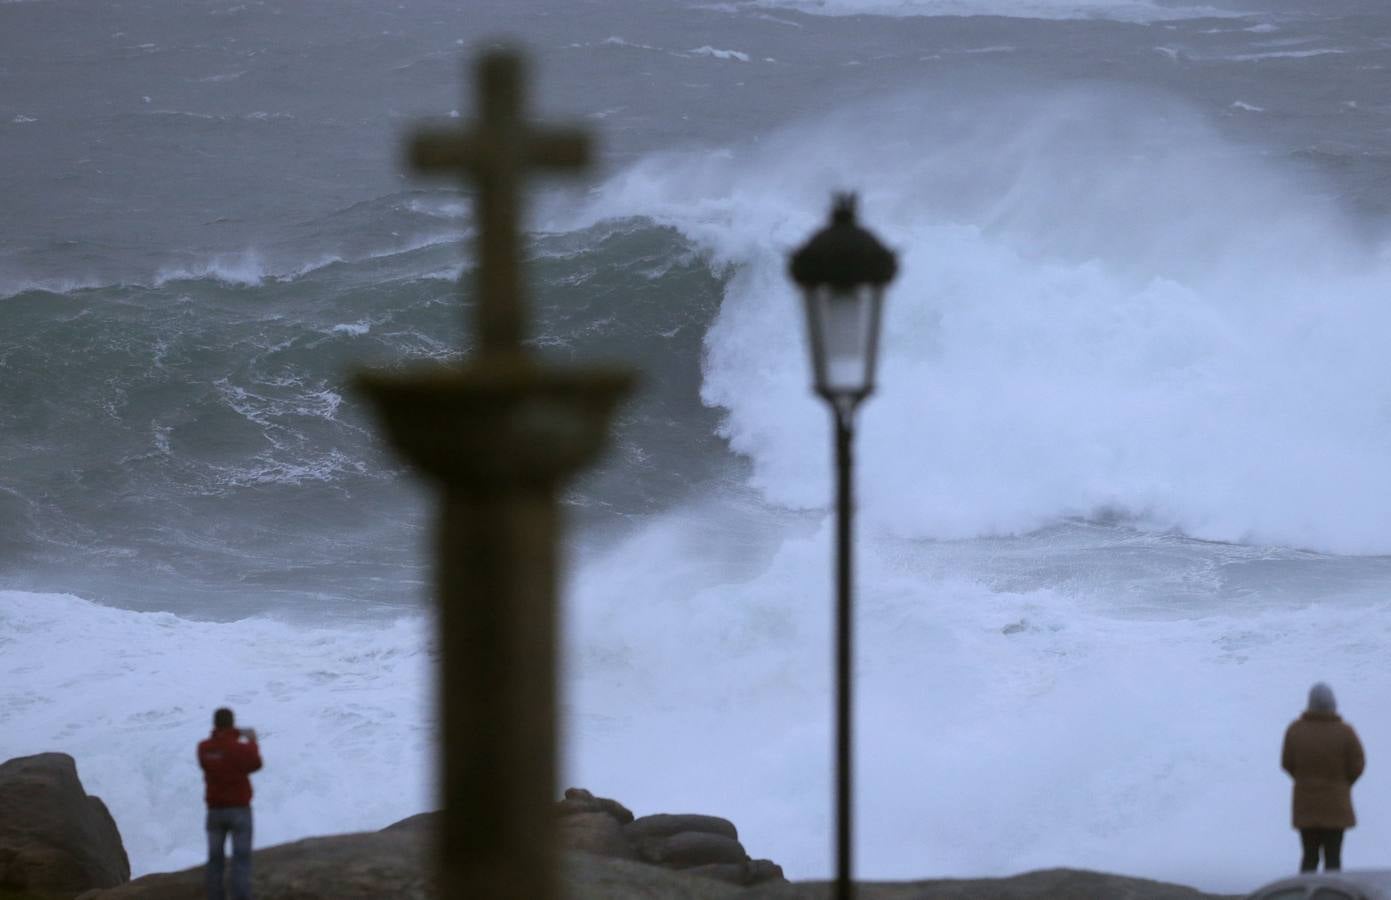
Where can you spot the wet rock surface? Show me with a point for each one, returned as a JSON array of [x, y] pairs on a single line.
[[55, 839], [369, 866], [701, 845], [610, 854], [1045, 884]]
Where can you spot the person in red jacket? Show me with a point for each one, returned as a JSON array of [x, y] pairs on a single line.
[[227, 758]]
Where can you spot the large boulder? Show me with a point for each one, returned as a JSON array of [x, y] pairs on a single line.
[[750, 871], [597, 833], [589, 877], [688, 849], [592, 832], [704, 846], [54, 838], [579, 800], [665, 825]]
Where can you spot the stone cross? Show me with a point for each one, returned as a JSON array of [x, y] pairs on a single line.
[[498, 435], [495, 156]]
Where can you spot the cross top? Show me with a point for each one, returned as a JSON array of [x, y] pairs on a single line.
[[495, 155]]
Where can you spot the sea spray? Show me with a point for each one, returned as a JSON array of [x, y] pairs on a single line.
[[1110, 311], [343, 714], [1124, 11], [1129, 309], [1018, 706]]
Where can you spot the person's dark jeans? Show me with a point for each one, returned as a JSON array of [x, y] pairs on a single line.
[[236, 821], [1330, 839]]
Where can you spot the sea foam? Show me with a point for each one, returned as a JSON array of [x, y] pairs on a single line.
[[1000, 727], [1103, 308], [1121, 10], [341, 711], [1006, 720]]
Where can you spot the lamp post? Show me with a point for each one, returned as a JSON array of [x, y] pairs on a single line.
[[842, 271]]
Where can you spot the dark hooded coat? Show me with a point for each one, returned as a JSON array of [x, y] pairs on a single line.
[[1324, 757]]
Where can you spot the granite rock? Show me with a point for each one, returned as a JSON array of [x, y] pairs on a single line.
[[579, 800], [750, 871], [597, 833], [54, 838], [371, 866], [665, 825], [387, 864], [700, 859], [688, 849], [1044, 884]]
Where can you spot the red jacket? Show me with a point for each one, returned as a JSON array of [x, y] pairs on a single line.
[[226, 761]]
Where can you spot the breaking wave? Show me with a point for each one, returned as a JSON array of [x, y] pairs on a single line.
[[1104, 309], [1120, 10]]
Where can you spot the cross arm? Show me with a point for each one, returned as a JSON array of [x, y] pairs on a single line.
[[443, 151], [450, 151]]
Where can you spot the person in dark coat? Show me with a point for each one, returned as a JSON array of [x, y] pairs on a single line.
[[1324, 757], [227, 758]]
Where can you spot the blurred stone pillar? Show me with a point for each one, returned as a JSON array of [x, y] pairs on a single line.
[[499, 436]]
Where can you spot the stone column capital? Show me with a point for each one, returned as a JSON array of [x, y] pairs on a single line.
[[498, 424]]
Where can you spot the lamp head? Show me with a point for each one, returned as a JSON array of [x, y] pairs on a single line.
[[842, 271]]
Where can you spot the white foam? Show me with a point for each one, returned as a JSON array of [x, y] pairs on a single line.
[[1102, 305], [12, 287], [341, 710], [440, 208], [1283, 54], [246, 268], [1088, 736], [707, 50], [278, 408], [1122, 10], [179, 113], [998, 729], [617, 41], [268, 467]]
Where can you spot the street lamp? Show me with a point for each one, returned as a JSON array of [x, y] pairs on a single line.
[[842, 271]]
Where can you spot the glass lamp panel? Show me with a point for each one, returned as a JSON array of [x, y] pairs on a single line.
[[844, 323]]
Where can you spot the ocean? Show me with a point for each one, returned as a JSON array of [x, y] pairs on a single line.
[[1123, 492]]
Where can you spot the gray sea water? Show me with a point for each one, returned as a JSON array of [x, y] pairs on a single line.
[[1124, 486]]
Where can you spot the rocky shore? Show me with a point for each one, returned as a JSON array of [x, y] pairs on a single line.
[[56, 841]]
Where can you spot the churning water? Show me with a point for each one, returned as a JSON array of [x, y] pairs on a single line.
[[1124, 491]]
